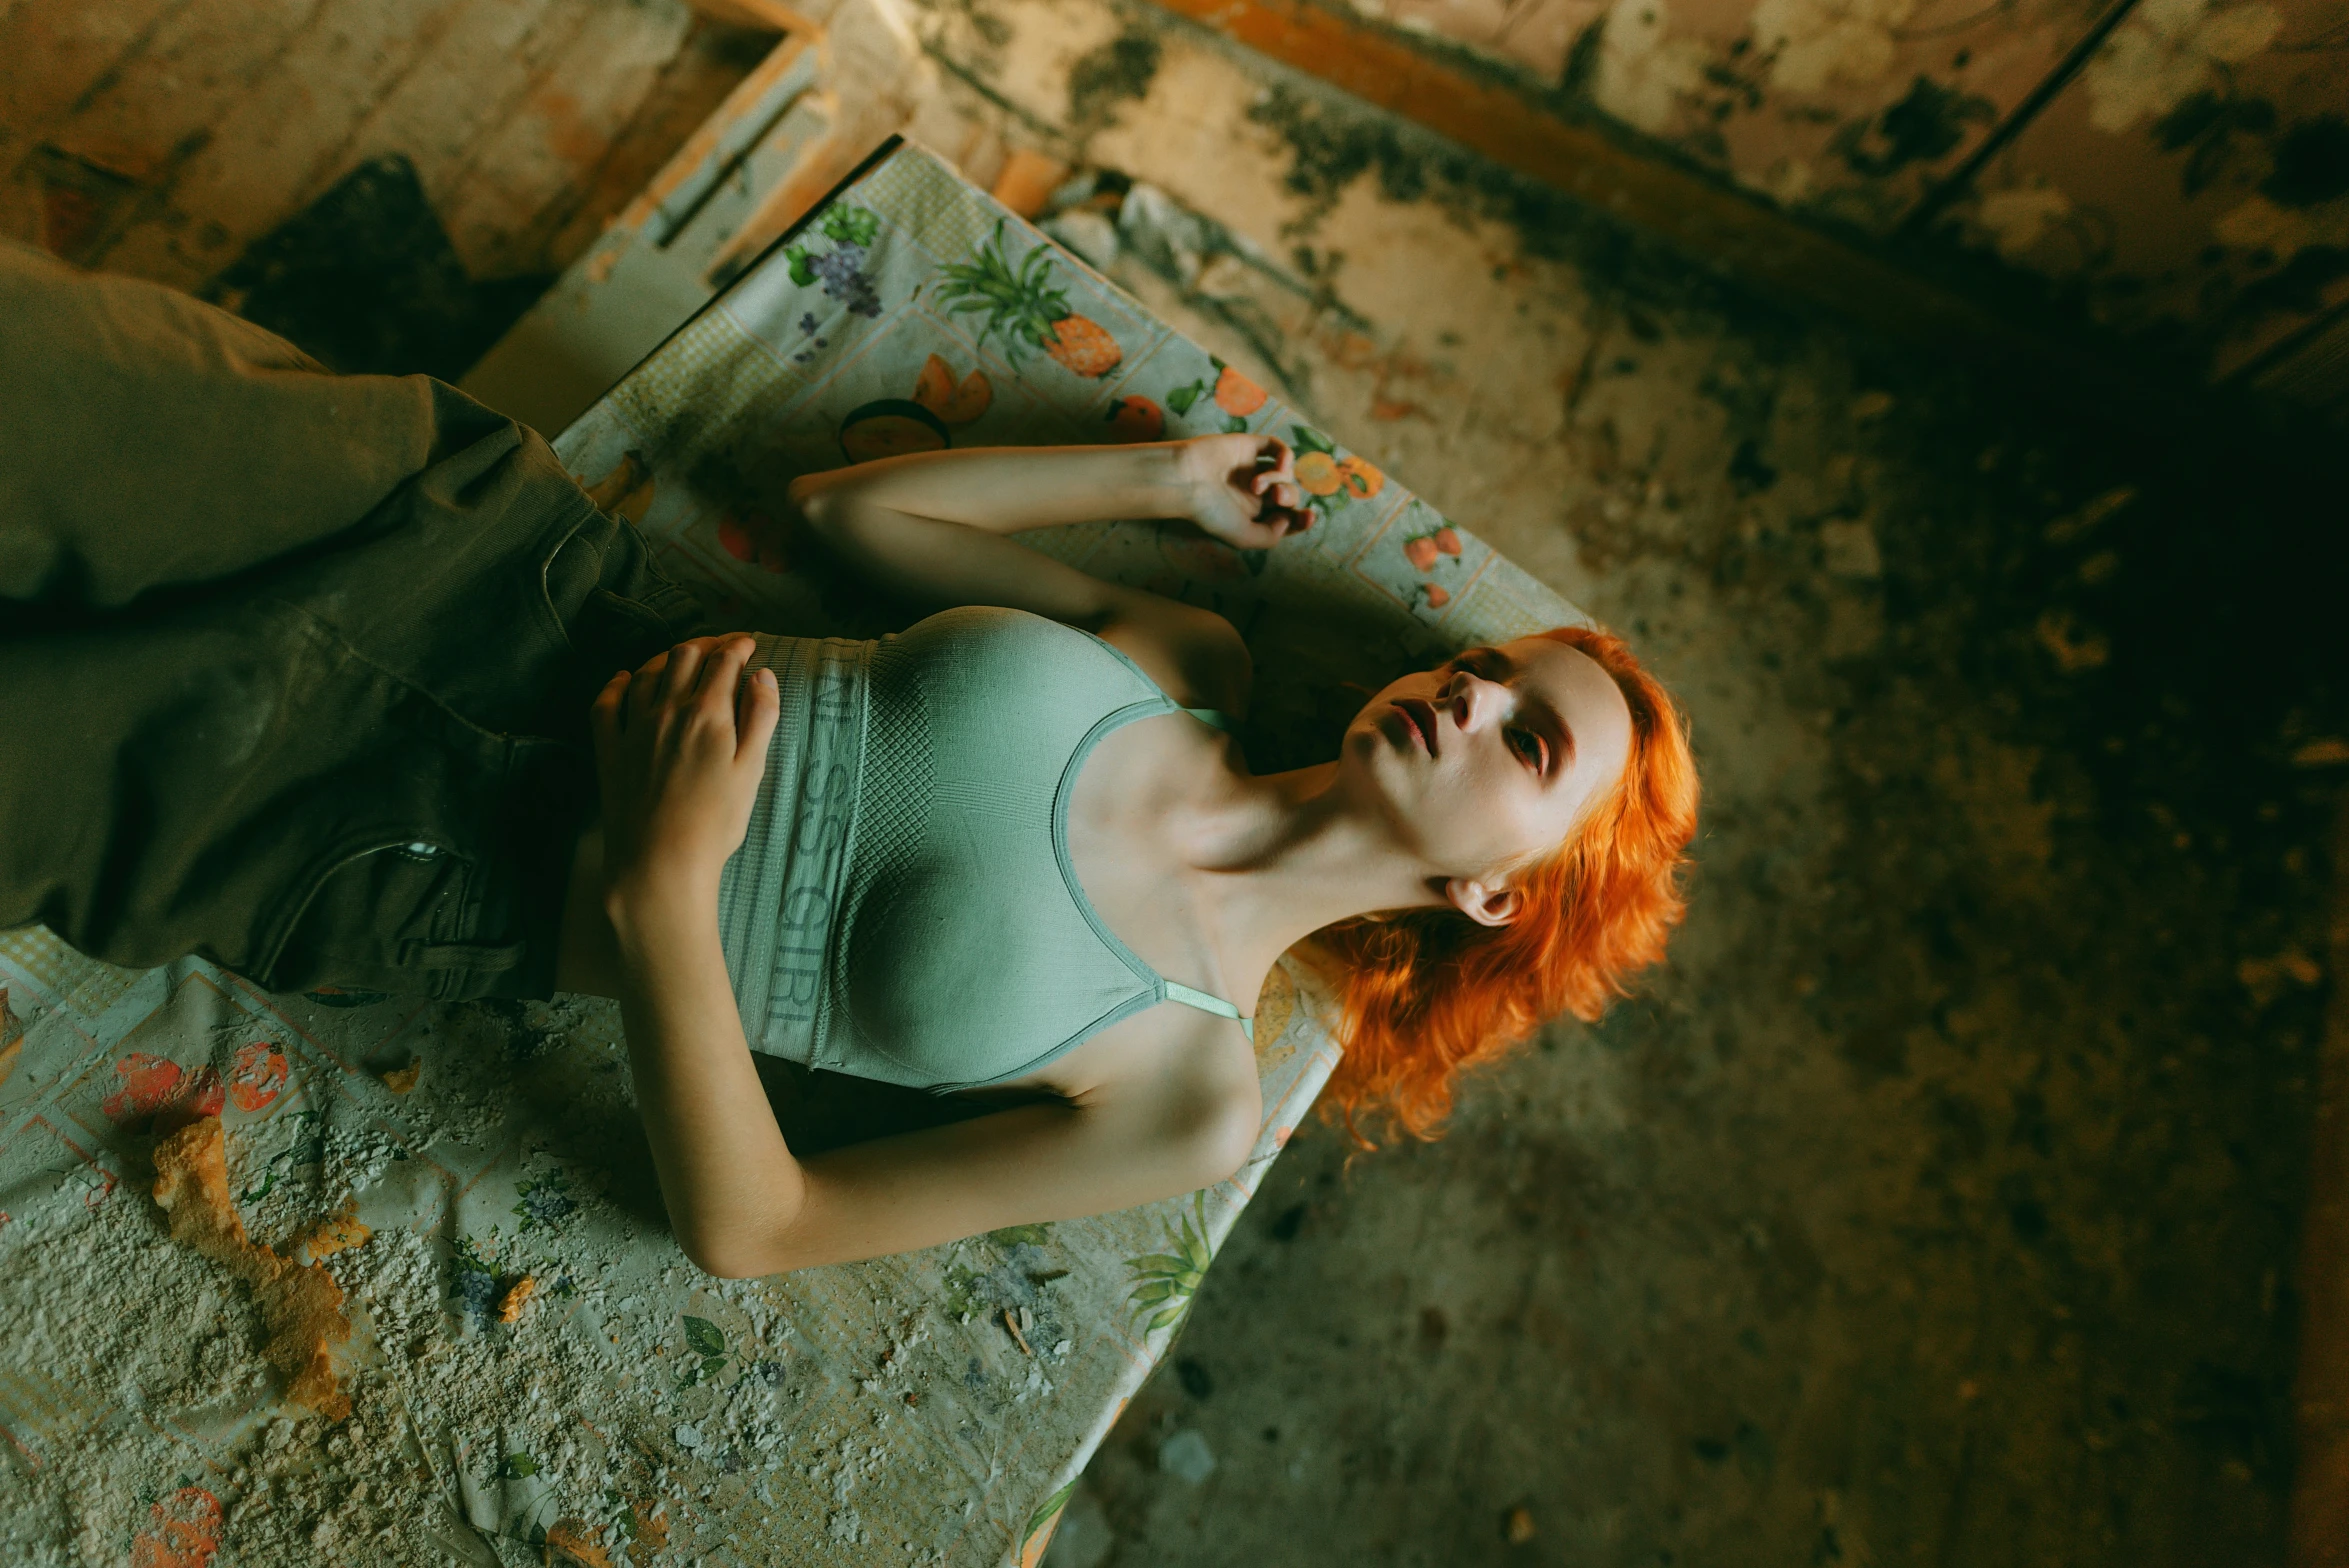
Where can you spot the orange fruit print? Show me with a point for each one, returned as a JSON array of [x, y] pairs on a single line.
[[1362, 480], [1437, 596], [736, 538], [934, 385], [958, 403], [973, 397], [1236, 394], [1421, 552], [1137, 419], [1447, 540], [147, 1082], [890, 427], [1317, 474]]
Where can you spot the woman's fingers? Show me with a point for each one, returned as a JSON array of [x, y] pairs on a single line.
[[1275, 496], [675, 678], [760, 705], [685, 667], [722, 670], [1272, 465], [680, 747], [720, 690], [644, 689], [1284, 500], [704, 684], [1282, 511]]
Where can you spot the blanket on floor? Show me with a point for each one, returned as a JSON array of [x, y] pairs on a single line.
[[354, 1278]]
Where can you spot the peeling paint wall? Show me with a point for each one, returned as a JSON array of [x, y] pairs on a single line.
[[2176, 171], [2192, 181]]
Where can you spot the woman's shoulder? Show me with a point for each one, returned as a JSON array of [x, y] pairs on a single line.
[[1195, 656]]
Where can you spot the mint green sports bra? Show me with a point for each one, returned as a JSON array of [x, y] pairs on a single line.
[[903, 906]]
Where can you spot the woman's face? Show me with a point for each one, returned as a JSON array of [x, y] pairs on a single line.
[[1492, 755]]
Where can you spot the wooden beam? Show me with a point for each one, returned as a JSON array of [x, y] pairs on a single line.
[[766, 16], [1740, 234]]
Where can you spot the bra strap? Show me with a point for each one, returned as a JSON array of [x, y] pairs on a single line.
[[1208, 1004], [1214, 718]]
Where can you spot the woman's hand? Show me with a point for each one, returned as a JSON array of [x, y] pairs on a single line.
[[1243, 489], [680, 747]]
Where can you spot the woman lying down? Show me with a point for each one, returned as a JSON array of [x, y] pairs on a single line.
[[300, 673]]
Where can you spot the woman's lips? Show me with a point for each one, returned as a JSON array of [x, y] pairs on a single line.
[[1419, 719]]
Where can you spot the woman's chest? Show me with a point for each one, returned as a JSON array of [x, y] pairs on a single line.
[[1017, 914], [1131, 819]]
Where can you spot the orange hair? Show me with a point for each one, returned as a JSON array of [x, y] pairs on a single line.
[[1429, 992]]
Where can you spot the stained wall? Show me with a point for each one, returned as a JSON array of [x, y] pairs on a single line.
[[2174, 171]]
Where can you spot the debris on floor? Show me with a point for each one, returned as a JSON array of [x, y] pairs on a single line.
[[517, 1297], [300, 1305]]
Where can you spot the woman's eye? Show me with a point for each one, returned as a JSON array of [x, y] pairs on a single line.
[[1529, 746]]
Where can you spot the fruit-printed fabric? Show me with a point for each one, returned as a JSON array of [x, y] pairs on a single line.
[[535, 1367]]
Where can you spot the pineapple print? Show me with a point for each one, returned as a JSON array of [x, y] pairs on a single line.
[[1024, 306], [1165, 1282]]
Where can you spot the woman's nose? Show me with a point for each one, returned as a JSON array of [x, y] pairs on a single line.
[[1470, 699]]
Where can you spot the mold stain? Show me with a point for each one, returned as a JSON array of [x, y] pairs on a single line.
[[1118, 72]]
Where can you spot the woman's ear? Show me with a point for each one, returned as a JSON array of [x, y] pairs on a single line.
[[1487, 906]]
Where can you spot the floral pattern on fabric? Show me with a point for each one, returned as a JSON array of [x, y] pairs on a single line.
[[535, 1373]]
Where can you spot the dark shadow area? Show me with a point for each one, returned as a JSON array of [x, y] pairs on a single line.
[[365, 279], [819, 1110]]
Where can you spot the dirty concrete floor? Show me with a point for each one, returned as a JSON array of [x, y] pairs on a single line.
[[1938, 1205]]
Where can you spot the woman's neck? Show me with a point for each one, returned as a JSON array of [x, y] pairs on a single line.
[[1282, 855]]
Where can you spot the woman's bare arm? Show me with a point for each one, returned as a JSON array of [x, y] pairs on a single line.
[[680, 748], [1185, 1120], [933, 527], [743, 1205], [720, 1157]]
